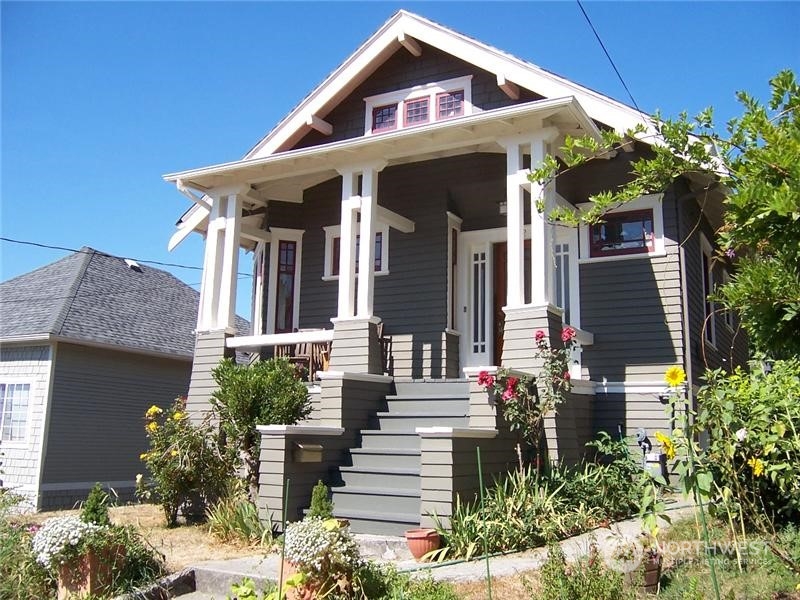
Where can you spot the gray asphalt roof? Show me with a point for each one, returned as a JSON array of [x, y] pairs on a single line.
[[93, 297]]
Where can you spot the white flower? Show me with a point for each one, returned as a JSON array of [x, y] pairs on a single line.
[[741, 434], [56, 535]]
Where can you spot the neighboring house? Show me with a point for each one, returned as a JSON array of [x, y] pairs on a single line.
[[87, 344], [421, 142]]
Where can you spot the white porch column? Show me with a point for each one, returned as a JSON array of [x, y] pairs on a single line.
[[541, 232], [347, 245], [366, 250], [230, 263], [209, 287], [515, 224]]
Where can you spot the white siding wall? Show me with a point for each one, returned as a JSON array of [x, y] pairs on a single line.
[[22, 460]]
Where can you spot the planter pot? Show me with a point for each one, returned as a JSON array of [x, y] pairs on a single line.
[[651, 567], [303, 592], [422, 541], [89, 574]]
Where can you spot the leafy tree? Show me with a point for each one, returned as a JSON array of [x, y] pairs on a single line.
[[263, 393], [757, 164]]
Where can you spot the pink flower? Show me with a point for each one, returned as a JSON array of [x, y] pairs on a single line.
[[485, 379], [511, 383], [566, 376], [567, 334], [508, 394], [539, 335]]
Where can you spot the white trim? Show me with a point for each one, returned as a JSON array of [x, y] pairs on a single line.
[[630, 387], [290, 235], [259, 257], [279, 339], [453, 299], [456, 432], [364, 60], [299, 430], [650, 201], [86, 485], [428, 90], [335, 231], [366, 377]]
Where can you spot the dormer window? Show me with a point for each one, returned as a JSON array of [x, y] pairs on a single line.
[[419, 105]]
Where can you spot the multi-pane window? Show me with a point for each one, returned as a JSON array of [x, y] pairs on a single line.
[[620, 233], [384, 118], [450, 104], [421, 104], [416, 111], [333, 243], [284, 299], [14, 399]]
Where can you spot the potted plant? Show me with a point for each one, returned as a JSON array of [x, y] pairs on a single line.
[[324, 552], [422, 541], [651, 563], [82, 555]]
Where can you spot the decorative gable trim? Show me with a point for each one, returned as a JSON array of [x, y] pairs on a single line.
[[399, 32]]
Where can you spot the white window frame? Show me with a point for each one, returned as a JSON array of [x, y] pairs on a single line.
[[335, 231], [453, 224], [707, 263], [650, 202], [429, 90], [279, 234], [8, 381], [258, 287]]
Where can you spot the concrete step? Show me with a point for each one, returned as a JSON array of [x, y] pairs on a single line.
[[409, 421], [390, 500], [372, 438], [368, 458], [380, 523], [381, 477], [217, 576], [455, 404], [432, 387]]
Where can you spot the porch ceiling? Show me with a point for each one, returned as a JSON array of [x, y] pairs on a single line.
[[284, 176]]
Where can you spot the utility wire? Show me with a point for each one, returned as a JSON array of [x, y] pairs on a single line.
[[139, 260], [608, 56]]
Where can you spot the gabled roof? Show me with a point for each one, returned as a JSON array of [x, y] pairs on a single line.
[[404, 28], [95, 298]]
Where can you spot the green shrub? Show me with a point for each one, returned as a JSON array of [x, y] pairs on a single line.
[[263, 393], [95, 507], [321, 504], [234, 517], [188, 471], [588, 579], [21, 577]]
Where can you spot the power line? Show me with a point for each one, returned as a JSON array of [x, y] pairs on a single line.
[[608, 56], [140, 260]]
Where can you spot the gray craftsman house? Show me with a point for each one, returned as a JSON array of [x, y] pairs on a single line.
[[87, 344], [420, 143]]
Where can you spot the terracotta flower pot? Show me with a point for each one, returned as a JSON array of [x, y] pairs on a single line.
[[421, 541], [652, 572], [89, 574]]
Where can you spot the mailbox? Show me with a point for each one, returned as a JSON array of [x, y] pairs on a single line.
[[303, 452]]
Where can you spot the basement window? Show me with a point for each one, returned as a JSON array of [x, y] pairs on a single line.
[[419, 105]]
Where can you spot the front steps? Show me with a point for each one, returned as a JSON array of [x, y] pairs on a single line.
[[379, 491]]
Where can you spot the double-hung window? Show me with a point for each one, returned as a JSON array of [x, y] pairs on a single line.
[[333, 241], [419, 105], [14, 402]]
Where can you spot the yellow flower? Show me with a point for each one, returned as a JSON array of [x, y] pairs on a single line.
[[152, 412], [757, 465], [667, 444], [675, 376], [179, 415], [173, 453], [143, 456], [151, 426]]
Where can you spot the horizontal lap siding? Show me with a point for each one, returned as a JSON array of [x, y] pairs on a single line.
[[20, 460], [634, 309], [97, 412]]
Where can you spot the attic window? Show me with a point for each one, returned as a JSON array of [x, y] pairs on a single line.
[[419, 105]]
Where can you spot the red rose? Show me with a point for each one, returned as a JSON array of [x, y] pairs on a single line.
[[567, 334], [566, 376], [485, 379], [539, 335], [512, 382]]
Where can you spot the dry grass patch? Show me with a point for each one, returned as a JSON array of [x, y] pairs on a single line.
[[182, 546], [503, 588]]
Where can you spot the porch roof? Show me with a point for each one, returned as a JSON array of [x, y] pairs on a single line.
[[283, 176]]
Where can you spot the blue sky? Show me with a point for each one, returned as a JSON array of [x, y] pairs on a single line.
[[100, 99]]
